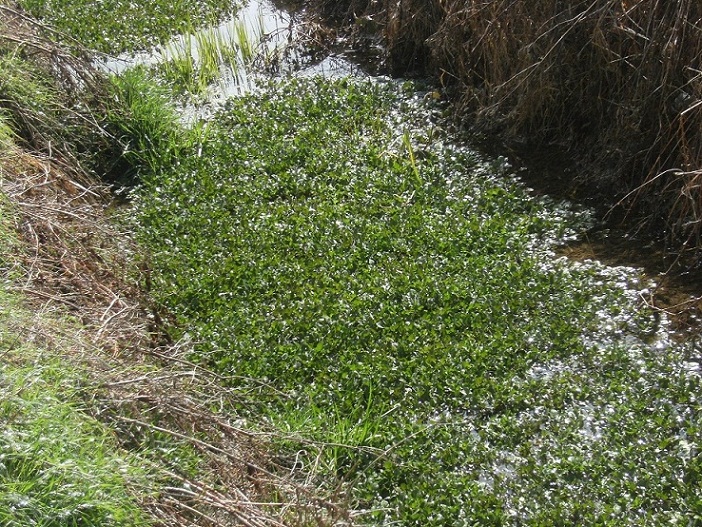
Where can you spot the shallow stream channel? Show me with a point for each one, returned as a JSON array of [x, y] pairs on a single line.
[[397, 306]]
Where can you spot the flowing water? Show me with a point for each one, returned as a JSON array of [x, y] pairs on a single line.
[[259, 42]]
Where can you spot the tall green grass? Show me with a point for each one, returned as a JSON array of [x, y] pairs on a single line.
[[145, 125], [401, 293]]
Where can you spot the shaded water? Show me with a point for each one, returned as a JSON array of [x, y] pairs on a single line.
[[675, 285]]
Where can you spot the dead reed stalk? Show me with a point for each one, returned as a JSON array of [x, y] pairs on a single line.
[[615, 83]]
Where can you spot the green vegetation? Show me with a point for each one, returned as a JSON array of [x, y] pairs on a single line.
[[114, 26], [7, 135], [402, 294], [192, 62], [390, 299], [58, 467], [195, 62], [144, 123], [103, 421]]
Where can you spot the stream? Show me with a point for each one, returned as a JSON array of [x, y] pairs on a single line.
[[464, 348], [271, 34]]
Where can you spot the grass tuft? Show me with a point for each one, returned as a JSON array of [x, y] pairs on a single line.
[[195, 62], [144, 122]]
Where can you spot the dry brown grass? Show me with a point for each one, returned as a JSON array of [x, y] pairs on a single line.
[[616, 83], [75, 83]]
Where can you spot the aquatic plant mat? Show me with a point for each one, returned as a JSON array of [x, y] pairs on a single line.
[[314, 309], [616, 84], [395, 301], [127, 26]]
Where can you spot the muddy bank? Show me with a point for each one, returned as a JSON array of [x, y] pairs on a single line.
[[676, 283]]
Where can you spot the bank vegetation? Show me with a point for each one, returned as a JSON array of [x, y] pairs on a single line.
[[318, 312], [103, 419]]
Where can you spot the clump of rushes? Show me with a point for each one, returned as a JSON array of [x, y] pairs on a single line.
[[401, 294], [196, 61]]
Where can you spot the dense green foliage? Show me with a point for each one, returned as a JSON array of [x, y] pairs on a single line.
[[395, 296], [114, 26], [322, 239]]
